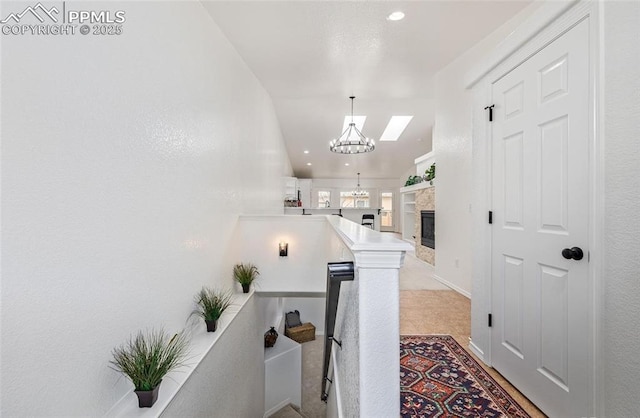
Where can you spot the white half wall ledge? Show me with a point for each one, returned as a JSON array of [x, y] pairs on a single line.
[[415, 187], [202, 343], [370, 244]]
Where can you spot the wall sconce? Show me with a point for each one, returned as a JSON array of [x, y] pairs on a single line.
[[284, 249]]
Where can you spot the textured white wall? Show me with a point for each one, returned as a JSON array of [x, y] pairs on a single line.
[[452, 147], [347, 372], [125, 163], [621, 276], [348, 357]]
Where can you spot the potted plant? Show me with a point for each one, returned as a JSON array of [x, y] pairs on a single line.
[[211, 303], [430, 174], [245, 274], [413, 180], [147, 358]]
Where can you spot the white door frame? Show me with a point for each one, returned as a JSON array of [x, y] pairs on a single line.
[[545, 25]]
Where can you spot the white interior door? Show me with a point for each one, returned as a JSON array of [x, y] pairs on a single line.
[[541, 306]]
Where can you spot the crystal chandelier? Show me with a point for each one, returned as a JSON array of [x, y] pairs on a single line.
[[352, 141]]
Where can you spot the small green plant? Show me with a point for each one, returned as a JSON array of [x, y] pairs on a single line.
[[149, 356], [212, 303], [430, 174], [413, 180], [245, 274]]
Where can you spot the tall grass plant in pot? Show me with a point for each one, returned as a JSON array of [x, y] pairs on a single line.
[[146, 358], [211, 304], [245, 274]]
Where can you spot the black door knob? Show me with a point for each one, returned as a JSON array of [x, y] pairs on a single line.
[[574, 253]]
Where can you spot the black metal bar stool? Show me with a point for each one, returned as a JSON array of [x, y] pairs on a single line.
[[367, 220]]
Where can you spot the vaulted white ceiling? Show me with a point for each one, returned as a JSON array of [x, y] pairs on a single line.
[[311, 55]]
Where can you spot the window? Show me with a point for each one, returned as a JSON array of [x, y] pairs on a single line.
[[348, 200], [324, 198]]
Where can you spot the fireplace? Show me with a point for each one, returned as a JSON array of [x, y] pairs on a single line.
[[427, 228]]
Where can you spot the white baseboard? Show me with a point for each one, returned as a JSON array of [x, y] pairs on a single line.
[[477, 351], [453, 286], [277, 408]]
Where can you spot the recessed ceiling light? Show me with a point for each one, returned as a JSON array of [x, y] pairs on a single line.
[[308, 163], [394, 129], [396, 16], [306, 151], [347, 164]]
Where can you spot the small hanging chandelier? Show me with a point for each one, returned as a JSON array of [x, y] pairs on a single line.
[[352, 141], [358, 192]]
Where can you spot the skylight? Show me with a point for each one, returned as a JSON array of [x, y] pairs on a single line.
[[394, 129]]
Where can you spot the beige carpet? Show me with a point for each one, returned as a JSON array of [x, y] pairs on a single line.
[[312, 354]]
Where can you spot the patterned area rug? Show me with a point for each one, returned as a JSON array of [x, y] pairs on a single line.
[[438, 378]]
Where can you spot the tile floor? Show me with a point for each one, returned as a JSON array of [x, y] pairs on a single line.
[[426, 307]]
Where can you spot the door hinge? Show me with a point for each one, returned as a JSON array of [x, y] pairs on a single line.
[[490, 217], [490, 112], [489, 320]]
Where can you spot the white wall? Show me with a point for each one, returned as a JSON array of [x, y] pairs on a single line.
[[305, 267], [303, 270], [621, 275], [126, 161], [452, 149], [311, 310]]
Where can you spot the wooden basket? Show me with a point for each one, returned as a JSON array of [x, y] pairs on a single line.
[[301, 334]]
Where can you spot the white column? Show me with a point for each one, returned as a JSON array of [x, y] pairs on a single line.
[[379, 325], [378, 258]]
